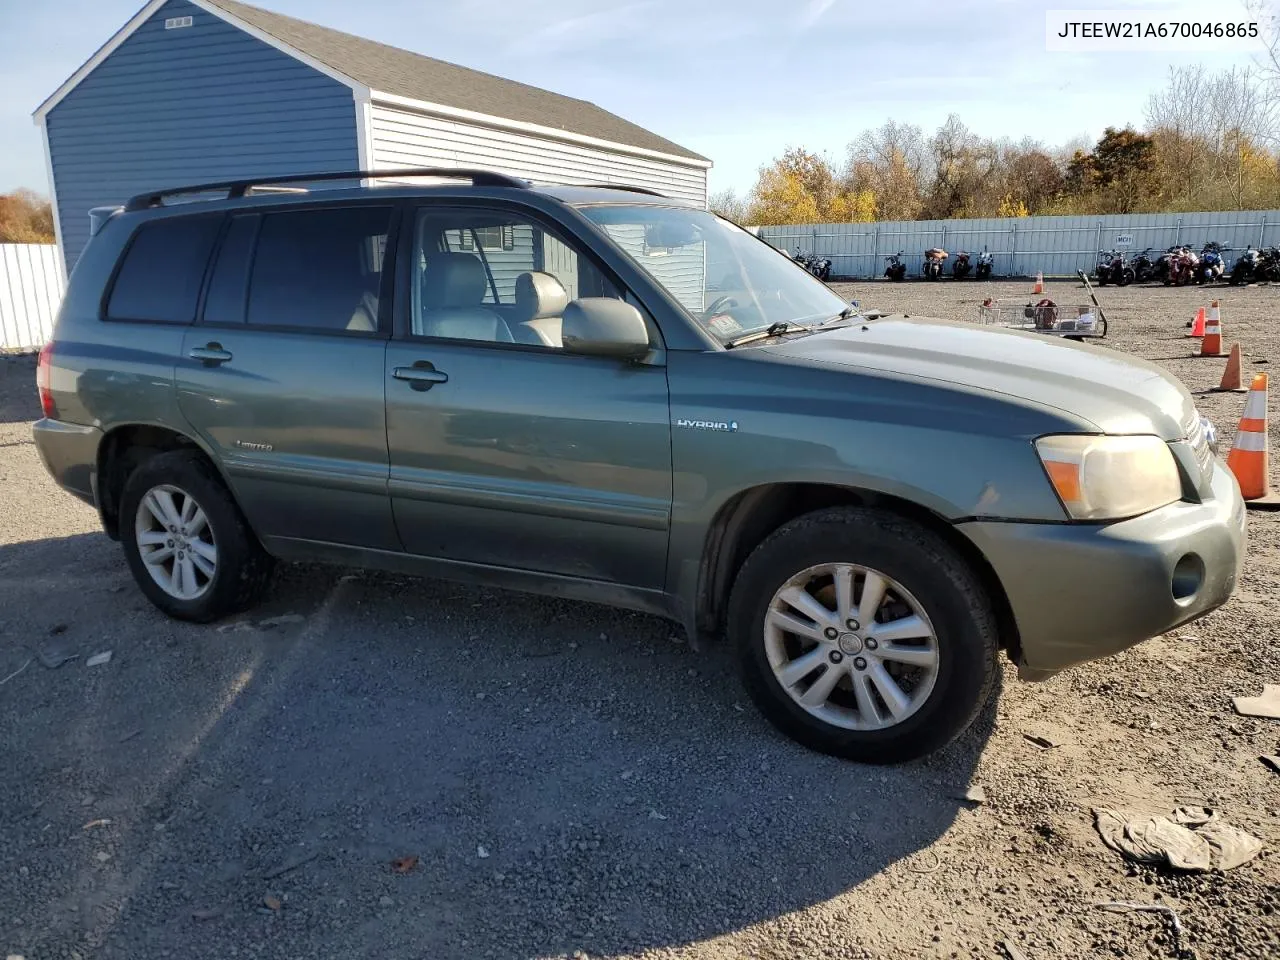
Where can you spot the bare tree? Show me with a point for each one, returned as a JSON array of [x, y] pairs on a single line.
[[729, 205], [891, 163]]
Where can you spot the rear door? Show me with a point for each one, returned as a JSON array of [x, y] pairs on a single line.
[[505, 450], [282, 375]]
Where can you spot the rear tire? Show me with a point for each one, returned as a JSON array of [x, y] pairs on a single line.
[[926, 586], [231, 570]]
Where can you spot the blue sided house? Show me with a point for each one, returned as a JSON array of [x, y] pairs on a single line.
[[192, 91]]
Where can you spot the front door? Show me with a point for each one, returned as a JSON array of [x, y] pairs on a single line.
[[283, 374], [506, 451]]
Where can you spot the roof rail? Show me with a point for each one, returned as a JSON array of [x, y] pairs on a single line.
[[622, 186], [239, 188]]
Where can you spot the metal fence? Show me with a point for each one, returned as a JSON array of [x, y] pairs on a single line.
[[31, 285], [1022, 246]]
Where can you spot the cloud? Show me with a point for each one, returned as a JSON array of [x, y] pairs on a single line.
[[814, 11], [573, 33]]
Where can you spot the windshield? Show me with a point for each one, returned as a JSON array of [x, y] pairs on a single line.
[[729, 281]]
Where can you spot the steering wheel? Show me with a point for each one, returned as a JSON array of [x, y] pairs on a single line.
[[720, 304]]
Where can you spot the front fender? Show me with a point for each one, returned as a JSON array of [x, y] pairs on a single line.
[[742, 422]]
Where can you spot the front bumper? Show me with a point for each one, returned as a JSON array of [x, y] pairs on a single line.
[[1082, 591], [69, 452]]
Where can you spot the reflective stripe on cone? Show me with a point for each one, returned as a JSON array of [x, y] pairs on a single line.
[[1248, 458]]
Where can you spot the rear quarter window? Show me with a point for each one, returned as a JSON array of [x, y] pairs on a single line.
[[159, 278]]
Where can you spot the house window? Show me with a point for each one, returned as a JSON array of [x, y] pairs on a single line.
[[490, 238]]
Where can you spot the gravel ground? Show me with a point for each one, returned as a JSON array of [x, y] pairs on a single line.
[[573, 780]]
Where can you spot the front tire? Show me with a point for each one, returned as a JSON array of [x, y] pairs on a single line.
[[863, 635], [186, 542]]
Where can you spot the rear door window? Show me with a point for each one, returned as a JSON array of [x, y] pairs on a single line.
[[159, 279], [319, 269]]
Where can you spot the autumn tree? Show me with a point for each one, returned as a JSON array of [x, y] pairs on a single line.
[[802, 187], [25, 218], [1211, 142]]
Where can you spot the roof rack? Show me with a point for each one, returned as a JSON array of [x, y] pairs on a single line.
[[621, 186], [239, 188]]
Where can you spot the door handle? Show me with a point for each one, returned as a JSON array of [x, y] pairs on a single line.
[[211, 354], [421, 376]]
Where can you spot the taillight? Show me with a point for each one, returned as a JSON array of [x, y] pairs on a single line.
[[42, 380]]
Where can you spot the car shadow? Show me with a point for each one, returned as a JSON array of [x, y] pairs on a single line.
[[19, 402], [566, 777]]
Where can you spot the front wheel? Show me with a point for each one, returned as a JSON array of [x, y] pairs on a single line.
[[186, 542], [864, 635]]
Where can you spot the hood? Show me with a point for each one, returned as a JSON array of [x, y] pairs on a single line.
[[1113, 392]]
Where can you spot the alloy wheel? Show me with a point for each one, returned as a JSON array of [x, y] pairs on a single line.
[[851, 646]]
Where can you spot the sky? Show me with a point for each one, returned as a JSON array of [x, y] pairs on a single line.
[[738, 81]]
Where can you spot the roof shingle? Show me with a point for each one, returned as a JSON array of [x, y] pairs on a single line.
[[406, 74]]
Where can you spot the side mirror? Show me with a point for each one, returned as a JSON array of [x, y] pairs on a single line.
[[604, 327]]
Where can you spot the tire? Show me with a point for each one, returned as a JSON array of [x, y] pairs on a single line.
[[1126, 278], [964, 635], [241, 568]]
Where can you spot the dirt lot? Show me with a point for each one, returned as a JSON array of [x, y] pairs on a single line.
[[574, 780]]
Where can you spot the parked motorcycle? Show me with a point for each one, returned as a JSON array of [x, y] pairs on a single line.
[[895, 269], [1163, 262], [1144, 267], [985, 262], [960, 269], [1269, 264], [1113, 268], [1245, 269], [933, 259], [820, 267], [1184, 267], [1211, 266]]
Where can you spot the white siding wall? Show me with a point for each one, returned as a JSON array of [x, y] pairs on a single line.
[[31, 285], [401, 138], [683, 271]]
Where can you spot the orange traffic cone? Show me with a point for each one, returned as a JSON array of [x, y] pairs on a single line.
[[1211, 345], [1248, 456], [1197, 325], [1230, 382], [1038, 288]]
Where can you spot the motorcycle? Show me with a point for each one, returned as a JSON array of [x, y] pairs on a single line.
[[1247, 268], [820, 267], [1184, 267], [1112, 268], [933, 259], [895, 269], [1144, 268], [1161, 271], [960, 269], [1211, 266], [985, 262]]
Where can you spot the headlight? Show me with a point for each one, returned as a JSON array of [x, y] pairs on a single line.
[[1106, 478]]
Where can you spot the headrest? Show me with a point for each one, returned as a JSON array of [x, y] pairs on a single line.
[[540, 295], [453, 280]]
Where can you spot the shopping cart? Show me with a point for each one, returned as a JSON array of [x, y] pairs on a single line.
[[1077, 321]]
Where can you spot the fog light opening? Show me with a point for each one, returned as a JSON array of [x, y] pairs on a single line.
[[1188, 575]]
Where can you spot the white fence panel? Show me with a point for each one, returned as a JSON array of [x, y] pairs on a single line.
[[1024, 245], [31, 285]]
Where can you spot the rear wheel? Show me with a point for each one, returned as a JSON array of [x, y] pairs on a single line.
[[186, 542], [863, 635]]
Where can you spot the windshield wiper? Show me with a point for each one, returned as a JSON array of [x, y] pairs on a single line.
[[847, 313], [773, 330]]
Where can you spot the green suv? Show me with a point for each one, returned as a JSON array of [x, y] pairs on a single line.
[[604, 394]]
